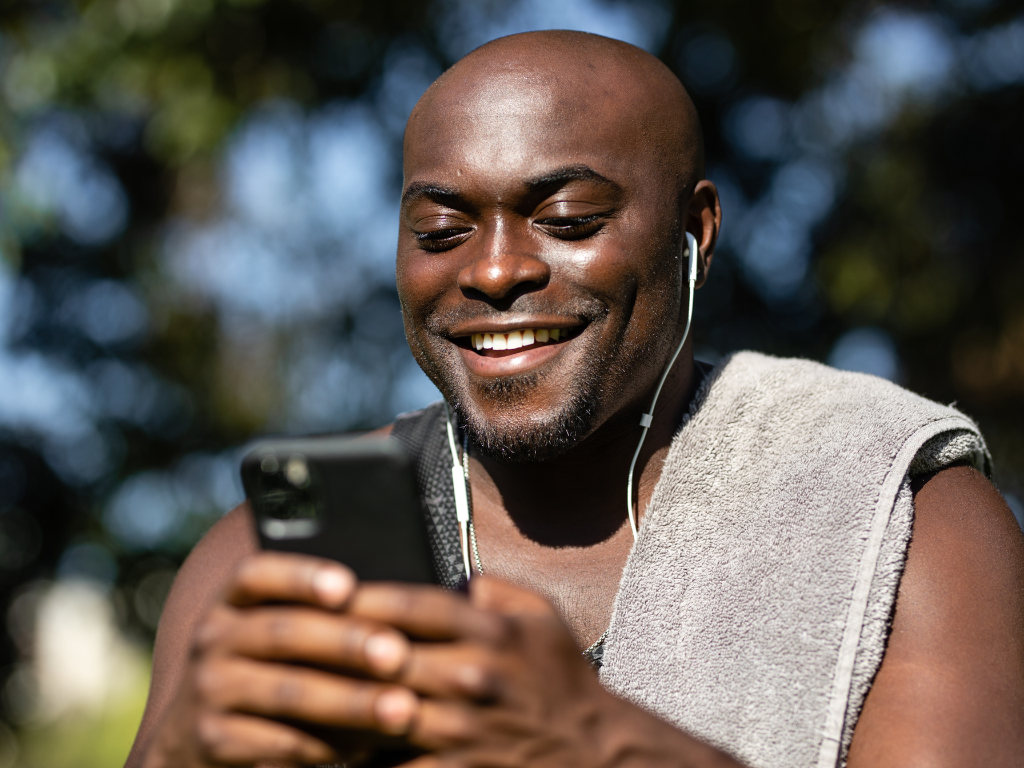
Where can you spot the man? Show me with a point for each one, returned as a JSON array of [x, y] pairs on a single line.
[[549, 181]]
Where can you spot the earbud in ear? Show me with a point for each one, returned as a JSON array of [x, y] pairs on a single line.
[[691, 247]]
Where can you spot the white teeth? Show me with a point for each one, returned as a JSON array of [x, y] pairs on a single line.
[[516, 339]]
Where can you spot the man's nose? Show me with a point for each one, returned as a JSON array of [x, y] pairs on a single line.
[[502, 268]]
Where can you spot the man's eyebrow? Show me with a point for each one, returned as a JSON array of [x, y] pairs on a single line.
[[436, 192], [551, 180], [560, 176]]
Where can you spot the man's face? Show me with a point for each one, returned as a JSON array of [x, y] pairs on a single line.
[[538, 261]]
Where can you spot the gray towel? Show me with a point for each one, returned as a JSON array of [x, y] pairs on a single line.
[[755, 606]]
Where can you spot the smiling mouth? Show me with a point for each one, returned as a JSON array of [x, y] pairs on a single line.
[[501, 344]]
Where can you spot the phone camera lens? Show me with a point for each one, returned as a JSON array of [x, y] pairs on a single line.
[[269, 464], [297, 471]]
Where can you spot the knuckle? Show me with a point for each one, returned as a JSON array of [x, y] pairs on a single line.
[[351, 637], [489, 683], [214, 628], [280, 632], [247, 573], [477, 674], [210, 734], [300, 578], [461, 727], [288, 693], [403, 602], [209, 679]]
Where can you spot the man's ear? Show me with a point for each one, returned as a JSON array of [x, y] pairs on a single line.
[[704, 220]]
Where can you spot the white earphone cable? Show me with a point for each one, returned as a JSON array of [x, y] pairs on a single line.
[[648, 418]]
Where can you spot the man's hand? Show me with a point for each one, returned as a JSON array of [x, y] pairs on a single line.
[[298, 664], [244, 684], [500, 682]]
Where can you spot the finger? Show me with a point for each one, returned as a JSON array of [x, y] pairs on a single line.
[[454, 670], [308, 695], [286, 577], [244, 740], [445, 725], [491, 594], [312, 636], [428, 613]]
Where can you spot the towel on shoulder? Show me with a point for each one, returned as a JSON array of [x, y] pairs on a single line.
[[755, 606]]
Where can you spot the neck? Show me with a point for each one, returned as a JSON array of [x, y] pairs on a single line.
[[579, 498]]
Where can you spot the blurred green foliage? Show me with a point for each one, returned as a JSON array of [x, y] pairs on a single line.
[[98, 739]]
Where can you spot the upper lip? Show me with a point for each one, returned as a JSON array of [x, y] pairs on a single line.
[[514, 324]]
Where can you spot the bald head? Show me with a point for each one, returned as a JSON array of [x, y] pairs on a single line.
[[594, 93], [549, 180]]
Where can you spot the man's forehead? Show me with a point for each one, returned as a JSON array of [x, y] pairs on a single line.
[[522, 105], [521, 123]]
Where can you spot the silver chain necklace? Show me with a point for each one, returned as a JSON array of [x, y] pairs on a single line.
[[476, 547]]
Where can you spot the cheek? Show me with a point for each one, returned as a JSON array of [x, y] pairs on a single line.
[[638, 278], [421, 279], [607, 272]]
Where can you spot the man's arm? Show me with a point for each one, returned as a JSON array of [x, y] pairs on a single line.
[[199, 583], [950, 691]]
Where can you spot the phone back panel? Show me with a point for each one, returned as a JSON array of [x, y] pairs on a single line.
[[351, 500]]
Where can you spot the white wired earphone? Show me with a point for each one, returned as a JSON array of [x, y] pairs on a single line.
[[460, 471]]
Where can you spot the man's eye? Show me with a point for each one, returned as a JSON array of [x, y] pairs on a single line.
[[441, 239], [572, 227]]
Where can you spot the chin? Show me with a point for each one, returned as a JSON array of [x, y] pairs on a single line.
[[502, 427]]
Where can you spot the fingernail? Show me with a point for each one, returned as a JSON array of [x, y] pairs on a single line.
[[332, 586], [385, 653], [394, 710]]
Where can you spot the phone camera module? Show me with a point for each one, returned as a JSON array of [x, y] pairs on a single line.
[[287, 488]]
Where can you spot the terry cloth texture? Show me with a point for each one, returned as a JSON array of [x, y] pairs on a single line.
[[754, 609]]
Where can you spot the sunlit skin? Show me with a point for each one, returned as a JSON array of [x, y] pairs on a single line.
[[548, 179]]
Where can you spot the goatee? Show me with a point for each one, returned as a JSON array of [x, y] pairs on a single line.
[[524, 441]]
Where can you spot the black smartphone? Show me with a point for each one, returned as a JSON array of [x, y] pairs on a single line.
[[352, 500]]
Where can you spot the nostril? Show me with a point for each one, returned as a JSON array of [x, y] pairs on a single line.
[[503, 277], [504, 302]]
